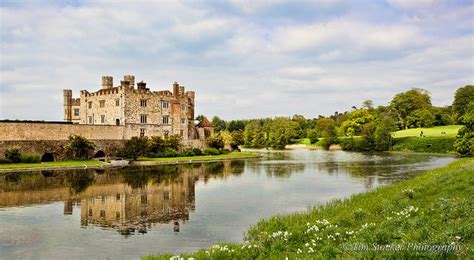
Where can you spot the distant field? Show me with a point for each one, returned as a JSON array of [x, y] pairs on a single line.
[[450, 130]]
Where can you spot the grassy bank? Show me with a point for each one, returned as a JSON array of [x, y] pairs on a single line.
[[48, 164], [201, 157], [437, 131], [413, 216], [424, 144]]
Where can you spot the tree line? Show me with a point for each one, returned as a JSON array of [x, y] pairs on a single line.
[[363, 128]]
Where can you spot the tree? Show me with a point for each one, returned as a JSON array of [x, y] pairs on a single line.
[[407, 102], [215, 141], [462, 97], [442, 116], [357, 118], [420, 118], [237, 139], [135, 147], [383, 133], [200, 117], [281, 131], [368, 136], [218, 124], [368, 104], [326, 128], [312, 136], [79, 146], [464, 144]]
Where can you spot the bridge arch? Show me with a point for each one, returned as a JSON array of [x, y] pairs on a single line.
[[47, 157]]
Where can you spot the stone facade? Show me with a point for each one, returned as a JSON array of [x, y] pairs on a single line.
[[143, 111]]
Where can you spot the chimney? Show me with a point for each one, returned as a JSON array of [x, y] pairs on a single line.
[[175, 89], [107, 82]]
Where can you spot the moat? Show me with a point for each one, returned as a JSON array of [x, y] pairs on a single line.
[[130, 212]]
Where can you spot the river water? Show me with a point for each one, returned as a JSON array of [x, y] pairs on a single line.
[[135, 211]]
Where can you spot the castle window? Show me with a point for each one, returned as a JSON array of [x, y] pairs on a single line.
[[143, 119], [101, 103], [117, 102], [143, 199], [165, 104], [166, 195], [183, 107], [117, 215], [90, 212], [102, 119], [183, 121], [102, 213], [117, 121], [142, 132], [89, 104], [166, 120], [143, 103], [90, 120], [117, 197], [76, 111]]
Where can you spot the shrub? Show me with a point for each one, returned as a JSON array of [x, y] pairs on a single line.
[[215, 141], [211, 151], [312, 136], [169, 152], [188, 152], [30, 158], [79, 146], [197, 151], [13, 155], [135, 147]]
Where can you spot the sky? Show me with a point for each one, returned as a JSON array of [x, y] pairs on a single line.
[[244, 59]]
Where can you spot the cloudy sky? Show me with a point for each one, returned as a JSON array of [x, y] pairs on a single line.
[[244, 59]]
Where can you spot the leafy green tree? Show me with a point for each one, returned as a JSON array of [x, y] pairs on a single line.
[[156, 145], [407, 102], [383, 133], [420, 118], [237, 139], [281, 131], [368, 136], [357, 118], [368, 104], [173, 142], [135, 147], [442, 116], [200, 117], [462, 98], [326, 128], [464, 144], [302, 125], [215, 141], [312, 135], [218, 124], [79, 146], [236, 125]]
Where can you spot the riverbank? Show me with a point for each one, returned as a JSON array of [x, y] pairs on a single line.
[[95, 164], [429, 216], [195, 159]]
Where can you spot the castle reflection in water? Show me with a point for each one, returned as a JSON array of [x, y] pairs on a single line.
[[129, 200]]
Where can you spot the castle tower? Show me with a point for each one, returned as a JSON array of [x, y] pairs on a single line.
[[130, 79], [176, 89], [67, 95], [107, 82]]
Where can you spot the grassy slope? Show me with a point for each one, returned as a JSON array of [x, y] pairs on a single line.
[[201, 157], [48, 164], [435, 208], [450, 130]]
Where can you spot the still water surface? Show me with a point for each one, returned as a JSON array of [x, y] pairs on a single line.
[[130, 212]]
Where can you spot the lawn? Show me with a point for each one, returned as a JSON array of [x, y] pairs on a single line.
[[201, 157], [450, 130], [49, 164], [429, 216]]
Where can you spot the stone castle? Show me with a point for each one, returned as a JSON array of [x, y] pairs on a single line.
[[109, 116], [143, 111]]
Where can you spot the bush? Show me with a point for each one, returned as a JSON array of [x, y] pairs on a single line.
[[211, 151], [197, 151], [188, 152], [312, 136], [135, 147], [13, 155], [30, 158], [215, 141], [424, 144], [169, 152], [79, 146]]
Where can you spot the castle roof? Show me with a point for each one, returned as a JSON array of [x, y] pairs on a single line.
[[204, 123]]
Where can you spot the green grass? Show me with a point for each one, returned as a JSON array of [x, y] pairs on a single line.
[[200, 157], [424, 144], [450, 130], [435, 208], [49, 164]]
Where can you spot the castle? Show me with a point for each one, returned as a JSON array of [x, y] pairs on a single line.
[[108, 117], [142, 111]]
